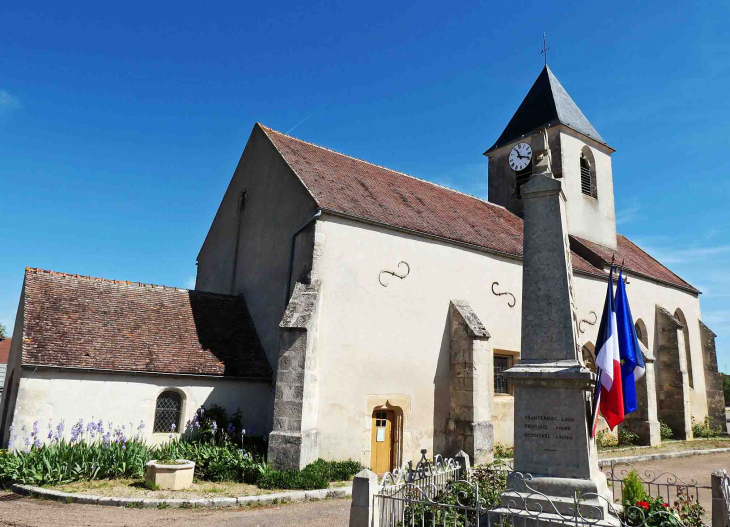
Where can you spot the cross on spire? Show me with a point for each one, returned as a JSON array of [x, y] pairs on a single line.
[[544, 48]]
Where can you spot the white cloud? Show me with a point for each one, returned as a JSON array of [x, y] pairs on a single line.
[[190, 283], [8, 102]]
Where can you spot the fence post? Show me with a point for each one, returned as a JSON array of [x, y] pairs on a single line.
[[462, 458], [719, 506], [363, 511]]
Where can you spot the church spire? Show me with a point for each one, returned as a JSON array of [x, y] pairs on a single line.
[[546, 104]]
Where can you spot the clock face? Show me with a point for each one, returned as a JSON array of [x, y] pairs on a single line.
[[520, 156]]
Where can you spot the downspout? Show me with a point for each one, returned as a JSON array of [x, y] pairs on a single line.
[[291, 252]]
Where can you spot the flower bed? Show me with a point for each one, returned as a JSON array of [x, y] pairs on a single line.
[[96, 451]]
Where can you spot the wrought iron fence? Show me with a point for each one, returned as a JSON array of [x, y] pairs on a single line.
[[442, 494], [664, 484]]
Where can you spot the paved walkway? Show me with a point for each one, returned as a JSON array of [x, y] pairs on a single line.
[[24, 512]]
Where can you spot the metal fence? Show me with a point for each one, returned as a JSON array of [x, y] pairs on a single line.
[[444, 494], [664, 484]]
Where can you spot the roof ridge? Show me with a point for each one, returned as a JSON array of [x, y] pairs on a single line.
[[383, 167], [36, 270]]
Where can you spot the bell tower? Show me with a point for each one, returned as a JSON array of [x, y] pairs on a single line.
[[580, 159]]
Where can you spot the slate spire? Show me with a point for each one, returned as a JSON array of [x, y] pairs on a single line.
[[547, 103]]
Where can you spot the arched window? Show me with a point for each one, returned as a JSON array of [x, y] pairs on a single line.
[[588, 173], [167, 412], [589, 358], [685, 330], [641, 333]]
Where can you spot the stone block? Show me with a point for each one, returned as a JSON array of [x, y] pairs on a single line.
[[362, 511], [170, 477]]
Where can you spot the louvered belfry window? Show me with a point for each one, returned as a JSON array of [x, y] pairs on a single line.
[[167, 412], [586, 186]]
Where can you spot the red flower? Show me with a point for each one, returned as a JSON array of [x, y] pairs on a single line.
[[643, 504], [665, 505]]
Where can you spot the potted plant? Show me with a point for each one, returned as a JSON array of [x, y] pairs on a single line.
[[169, 474]]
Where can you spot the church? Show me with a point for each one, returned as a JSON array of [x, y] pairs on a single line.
[[352, 311]]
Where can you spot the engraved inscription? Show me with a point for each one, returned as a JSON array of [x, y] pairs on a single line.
[[537, 427]]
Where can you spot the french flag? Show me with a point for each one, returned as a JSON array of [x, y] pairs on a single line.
[[608, 398], [632, 360]]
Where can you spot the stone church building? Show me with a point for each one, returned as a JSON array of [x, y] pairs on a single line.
[[363, 313]]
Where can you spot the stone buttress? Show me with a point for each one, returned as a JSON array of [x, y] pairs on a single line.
[[470, 426], [294, 441]]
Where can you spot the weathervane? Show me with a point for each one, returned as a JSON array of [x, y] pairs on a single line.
[[544, 48]]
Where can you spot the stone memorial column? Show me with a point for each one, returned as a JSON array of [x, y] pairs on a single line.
[[552, 387]]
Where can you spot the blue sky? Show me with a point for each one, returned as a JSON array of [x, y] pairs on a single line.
[[121, 124]]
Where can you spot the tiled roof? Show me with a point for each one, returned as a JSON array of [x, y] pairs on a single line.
[[547, 103], [357, 188], [4, 350], [82, 322], [350, 186], [635, 259]]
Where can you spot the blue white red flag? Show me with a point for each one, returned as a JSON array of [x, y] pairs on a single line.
[[609, 400], [632, 360]]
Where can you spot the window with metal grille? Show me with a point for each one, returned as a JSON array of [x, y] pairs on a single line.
[[167, 412], [521, 178], [500, 365], [588, 177]]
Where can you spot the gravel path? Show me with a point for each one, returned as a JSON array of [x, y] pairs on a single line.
[[25, 512], [698, 468]]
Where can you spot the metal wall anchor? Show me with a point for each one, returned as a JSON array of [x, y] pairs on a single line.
[[514, 300], [595, 319], [401, 276]]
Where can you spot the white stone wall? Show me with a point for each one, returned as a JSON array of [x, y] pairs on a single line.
[[643, 295], [589, 218], [393, 341], [126, 399]]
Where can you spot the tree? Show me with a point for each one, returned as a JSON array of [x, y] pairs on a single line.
[[726, 388], [2, 332]]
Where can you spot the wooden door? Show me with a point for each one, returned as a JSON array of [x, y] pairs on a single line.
[[381, 450]]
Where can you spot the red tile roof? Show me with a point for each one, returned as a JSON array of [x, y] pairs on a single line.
[[350, 186], [4, 350], [636, 260], [83, 322], [357, 188]]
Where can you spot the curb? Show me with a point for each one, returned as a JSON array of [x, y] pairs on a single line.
[[666, 455], [173, 503]]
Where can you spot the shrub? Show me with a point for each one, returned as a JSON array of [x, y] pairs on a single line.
[[633, 490], [665, 431], [504, 451], [689, 511], [604, 439], [706, 429], [627, 438], [317, 475]]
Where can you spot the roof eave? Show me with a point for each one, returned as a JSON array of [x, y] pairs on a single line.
[[554, 123]]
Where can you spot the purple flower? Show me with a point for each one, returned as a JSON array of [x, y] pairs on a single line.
[[215, 426], [50, 434], [27, 442], [37, 443], [231, 429], [124, 447], [35, 427], [172, 427]]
